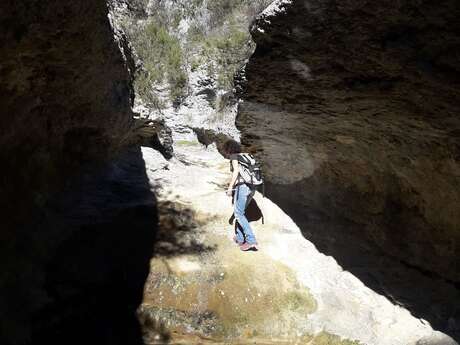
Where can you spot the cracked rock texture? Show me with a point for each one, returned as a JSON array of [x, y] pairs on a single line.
[[357, 125]]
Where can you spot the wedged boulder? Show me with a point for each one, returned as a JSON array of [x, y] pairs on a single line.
[[154, 133]]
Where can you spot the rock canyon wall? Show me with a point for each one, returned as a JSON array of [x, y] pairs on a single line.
[[65, 94], [357, 125], [66, 101]]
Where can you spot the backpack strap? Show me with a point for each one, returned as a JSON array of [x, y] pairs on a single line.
[[245, 161]]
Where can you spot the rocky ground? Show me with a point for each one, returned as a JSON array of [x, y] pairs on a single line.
[[202, 288]]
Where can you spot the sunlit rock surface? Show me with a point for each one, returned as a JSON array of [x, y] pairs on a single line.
[[203, 289], [211, 41], [353, 108]]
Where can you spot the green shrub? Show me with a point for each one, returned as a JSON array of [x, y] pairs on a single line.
[[225, 43], [221, 43], [222, 9], [229, 50], [144, 88], [162, 56]]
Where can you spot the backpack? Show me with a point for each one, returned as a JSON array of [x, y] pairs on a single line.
[[250, 170]]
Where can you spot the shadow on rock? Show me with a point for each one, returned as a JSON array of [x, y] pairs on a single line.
[[425, 294], [179, 231], [96, 241], [155, 332]]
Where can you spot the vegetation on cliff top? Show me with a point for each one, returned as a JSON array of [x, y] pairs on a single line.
[[216, 38], [163, 60]]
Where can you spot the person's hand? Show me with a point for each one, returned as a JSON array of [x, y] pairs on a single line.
[[229, 192]]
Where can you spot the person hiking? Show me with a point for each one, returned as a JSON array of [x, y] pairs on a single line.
[[242, 193]]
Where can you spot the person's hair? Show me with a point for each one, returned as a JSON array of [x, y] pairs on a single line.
[[231, 147]]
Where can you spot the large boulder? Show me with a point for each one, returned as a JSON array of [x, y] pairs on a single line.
[[357, 125]]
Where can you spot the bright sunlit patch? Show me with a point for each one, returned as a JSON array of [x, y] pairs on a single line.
[[247, 291], [274, 8], [346, 306], [185, 265]]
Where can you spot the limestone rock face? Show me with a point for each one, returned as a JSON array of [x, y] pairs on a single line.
[[65, 93], [188, 80], [65, 98], [357, 124]]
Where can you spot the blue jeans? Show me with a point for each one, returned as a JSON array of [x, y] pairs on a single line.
[[242, 197]]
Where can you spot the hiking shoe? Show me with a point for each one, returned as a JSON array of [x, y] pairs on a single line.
[[245, 247], [248, 247], [253, 247]]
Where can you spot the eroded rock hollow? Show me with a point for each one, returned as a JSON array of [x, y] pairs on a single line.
[[357, 124]]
